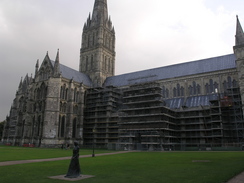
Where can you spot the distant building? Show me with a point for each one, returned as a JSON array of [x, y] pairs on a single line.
[[193, 105]]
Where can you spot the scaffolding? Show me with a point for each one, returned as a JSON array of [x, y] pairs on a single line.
[[195, 127], [101, 116], [144, 121], [215, 126], [138, 118], [232, 115]]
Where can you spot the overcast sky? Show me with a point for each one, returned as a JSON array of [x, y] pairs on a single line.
[[149, 34]]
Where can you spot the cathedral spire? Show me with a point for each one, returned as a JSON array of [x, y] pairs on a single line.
[[97, 53], [56, 70], [37, 67], [100, 11], [57, 57], [20, 83], [239, 33], [47, 57]]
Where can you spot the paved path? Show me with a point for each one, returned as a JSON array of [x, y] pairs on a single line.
[[237, 179], [7, 163]]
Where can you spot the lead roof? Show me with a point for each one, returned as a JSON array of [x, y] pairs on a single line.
[[150, 75], [77, 76], [173, 71]]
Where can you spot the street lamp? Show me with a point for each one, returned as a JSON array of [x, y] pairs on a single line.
[[94, 130]]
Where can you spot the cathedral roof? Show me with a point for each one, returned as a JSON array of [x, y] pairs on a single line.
[[77, 76], [173, 71]]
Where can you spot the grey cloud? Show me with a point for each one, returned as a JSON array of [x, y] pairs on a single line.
[[30, 28]]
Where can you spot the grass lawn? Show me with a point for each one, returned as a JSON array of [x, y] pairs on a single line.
[[10, 153], [135, 167]]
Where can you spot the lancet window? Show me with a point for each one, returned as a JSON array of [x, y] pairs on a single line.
[[61, 130], [229, 83], [74, 128], [194, 89], [211, 87], [178, 91]]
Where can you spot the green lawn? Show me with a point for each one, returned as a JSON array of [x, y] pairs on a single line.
[[135, 167], [9, 153]]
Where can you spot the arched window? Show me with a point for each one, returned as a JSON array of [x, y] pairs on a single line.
[[35, 94], [92, 63], [88, 41], [207, 88], [77, 97], [112, 66], [178, 90], [93, 39], [194, 88], [229, 82], [211, 86], [45, 94], [87, 63], [174, 92], [198, 89], [75, 90], [38, 93], [61, 92], [43, 91], [33, 127], [167, 93], [216, 86], [66, 93], [39, 106], [182, 91], [191, 90], [109, 64], [38, 126], [61, 126], [163, 91], [234, 83], [74, 128], [105, 62], [23, 128]]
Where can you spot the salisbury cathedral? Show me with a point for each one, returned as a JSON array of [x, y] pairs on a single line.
[[193, 105]]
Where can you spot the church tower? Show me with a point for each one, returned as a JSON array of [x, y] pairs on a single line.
[[239, 53], [97, 53]]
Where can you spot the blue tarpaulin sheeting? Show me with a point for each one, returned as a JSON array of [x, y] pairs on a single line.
[[189, 102]]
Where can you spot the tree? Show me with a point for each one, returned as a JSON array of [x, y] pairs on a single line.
[[1, 129]]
